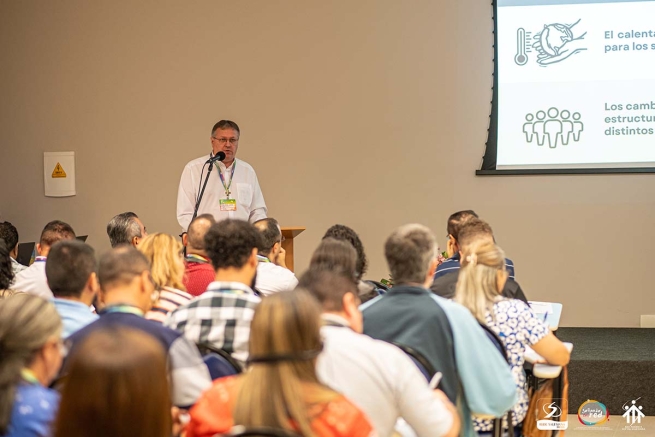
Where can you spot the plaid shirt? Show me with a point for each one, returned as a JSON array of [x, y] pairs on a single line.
[[220, 316]]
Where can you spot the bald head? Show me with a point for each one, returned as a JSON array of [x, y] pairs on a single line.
[[196, 233]]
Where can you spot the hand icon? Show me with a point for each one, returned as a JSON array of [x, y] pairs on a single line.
[[568, 49]]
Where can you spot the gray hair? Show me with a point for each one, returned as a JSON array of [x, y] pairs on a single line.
[[409, 251], [123, 228]]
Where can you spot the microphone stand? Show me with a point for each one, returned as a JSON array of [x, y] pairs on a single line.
[[202, 192]]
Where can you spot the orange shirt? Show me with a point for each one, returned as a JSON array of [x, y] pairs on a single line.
[[212, 414]]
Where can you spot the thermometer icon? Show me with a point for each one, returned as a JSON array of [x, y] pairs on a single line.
[[521, 57]]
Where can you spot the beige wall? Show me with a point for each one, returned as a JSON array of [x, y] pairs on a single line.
[[371, 113]]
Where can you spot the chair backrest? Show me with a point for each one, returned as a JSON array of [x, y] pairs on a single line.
[[495, 340], [419, 359], [218, 362], [242, 431]]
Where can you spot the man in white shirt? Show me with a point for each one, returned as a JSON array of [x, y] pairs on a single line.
[[273, 275], [378, 377], [232, 190], [33, 279]]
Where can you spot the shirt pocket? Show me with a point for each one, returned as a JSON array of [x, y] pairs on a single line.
[[245, 194]]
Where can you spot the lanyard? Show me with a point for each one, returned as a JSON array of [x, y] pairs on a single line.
[[193, 258], [263, 259], [129, 309], [40, 259], [228, 290], [29, 377], [220, 173]]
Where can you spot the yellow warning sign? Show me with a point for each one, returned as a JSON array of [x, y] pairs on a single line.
[[58, 172]]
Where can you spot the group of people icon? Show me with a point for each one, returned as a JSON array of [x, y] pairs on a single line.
[[553, 126]]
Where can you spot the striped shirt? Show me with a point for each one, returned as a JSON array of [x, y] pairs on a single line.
[[170, 299], [452, 264]]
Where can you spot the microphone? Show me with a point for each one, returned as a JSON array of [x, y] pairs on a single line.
[[218, 157]]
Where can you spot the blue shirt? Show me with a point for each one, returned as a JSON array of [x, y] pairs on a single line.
[[74, 315], [452, 264], [34, 411]]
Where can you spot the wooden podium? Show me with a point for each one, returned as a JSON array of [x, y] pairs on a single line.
[[289, 233]]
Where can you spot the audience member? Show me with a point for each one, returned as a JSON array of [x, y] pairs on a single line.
[[199, 272], [126, 228], [6, 270], [473, 232], [128, 291], [443, 332], [273, 275], [71, 271], [480, 281], [117, 386], [9, 233], [221, 316], [453, 248], [30, 357], [336, 256], [33, 279], [164, 253], [378, 377], [367, 290], [280, 389]]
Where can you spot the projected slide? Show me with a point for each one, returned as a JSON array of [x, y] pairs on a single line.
[[576, 84]]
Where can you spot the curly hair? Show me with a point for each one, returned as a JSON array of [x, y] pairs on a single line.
[[342, 232], [229, 243], [6, 271]]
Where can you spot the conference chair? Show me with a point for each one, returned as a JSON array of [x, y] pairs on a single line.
[[218, 362], [421, 362]]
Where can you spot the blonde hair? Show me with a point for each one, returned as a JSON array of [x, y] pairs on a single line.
[[163, 251], [279, 392], [477, 285], [27, 322]]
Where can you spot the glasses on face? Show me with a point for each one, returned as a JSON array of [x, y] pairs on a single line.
[[222, 141]]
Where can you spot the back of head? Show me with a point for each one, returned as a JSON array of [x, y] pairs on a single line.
[[27, 323], [336, 256], [474, 231], [119, 266], [270, 232], [230, 243], [284, 343], [117, 385], [6, 269], [9, 233], [456, 220], [328, 287], [477, 285], [197, 230], [122, 228], [164, 253], [341, 232], [69, 266], [409, 250], [56, 231]]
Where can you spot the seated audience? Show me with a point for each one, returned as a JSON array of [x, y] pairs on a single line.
[[481, 279], [33, 279], [127, 291], [473, 232], [336, 256], [379, 378], [280, 389], [453, 249], [164, 253], [6, 270], [476, 377], [273, 275], [199, 272], [221, 316], [367, 290], [126, 228], [71, 272], [9, 233], [30, 357], [117, 386]]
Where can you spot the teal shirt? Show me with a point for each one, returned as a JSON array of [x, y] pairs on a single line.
[[74, 315]]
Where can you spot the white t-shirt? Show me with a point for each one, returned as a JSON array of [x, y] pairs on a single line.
[[272, 278], [381, 380], [244, 188], [33, 280]]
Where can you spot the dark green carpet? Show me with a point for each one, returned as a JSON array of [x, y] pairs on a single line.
[[611, 365]]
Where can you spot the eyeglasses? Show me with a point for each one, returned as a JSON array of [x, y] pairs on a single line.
[[223, 141]]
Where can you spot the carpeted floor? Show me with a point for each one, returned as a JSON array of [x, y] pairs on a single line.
[[611, 365]]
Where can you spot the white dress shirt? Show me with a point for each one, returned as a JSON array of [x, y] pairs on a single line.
[[245, 189], [272, 278], [381, 380], [33, 280]]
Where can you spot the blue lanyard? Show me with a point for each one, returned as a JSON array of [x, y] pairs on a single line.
[[122, 308], [220, 173]]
